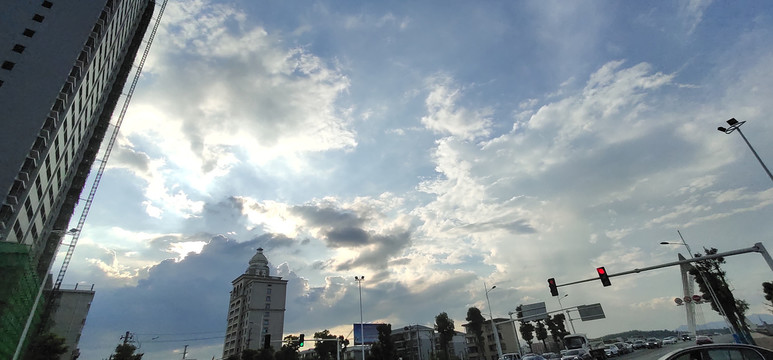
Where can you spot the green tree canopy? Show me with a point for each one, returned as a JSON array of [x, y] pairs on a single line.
[[710, 277], [46, 346], [767, 289], [475, 321], [541, 332], [445, 328], [325, 349], [126, 352], [384, 349]]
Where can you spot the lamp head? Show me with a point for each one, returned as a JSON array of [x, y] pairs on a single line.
[[722, 129], [732, 121]]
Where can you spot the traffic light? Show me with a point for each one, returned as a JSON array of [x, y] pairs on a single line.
[[553, 287], [300, 340], [603, 276]]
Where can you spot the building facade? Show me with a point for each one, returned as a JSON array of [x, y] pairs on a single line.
[[63, 65], [488, 350], [256, 309], [70, 317]]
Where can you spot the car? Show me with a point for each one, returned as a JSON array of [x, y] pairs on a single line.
[[551, 355], [703, 339], [720, 351], [639, 344], [611, 350], [685, 337], [624, 348], [653, 343], [669, 340], [576, 354], [532, 357]]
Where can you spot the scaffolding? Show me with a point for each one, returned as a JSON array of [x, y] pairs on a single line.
[[18, 289]]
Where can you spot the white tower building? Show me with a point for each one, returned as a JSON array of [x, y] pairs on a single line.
[[257, 309]]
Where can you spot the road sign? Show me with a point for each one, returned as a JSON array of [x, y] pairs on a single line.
[[591, 312], [533, 312]]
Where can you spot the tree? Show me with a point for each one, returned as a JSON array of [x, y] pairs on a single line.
[[557, 327], [527, 331], [526, 328], [126, 351], [445, 328], [476, 321], [384, 349], [45, 347], [541, 332], [249, 354], [707, 273], [767, 289], [325, 349]]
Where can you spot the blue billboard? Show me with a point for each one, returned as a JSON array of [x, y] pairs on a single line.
[[371, 333]]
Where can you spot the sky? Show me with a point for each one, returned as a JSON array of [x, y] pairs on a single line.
[[437, 149]]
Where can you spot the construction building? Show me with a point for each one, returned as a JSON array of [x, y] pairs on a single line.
[[256, 309], [63, 65]]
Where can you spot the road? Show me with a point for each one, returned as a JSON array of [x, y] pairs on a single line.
[[654, 354]]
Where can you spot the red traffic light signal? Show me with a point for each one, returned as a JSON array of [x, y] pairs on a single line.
[[603, 276], [553, 287]]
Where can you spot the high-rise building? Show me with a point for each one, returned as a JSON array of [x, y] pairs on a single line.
[[63, 65], [257, 309]]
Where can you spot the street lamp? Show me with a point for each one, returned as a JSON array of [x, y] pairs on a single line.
[[359, 280], [736, 125], [568, 317], [705, 281], [494, 326]]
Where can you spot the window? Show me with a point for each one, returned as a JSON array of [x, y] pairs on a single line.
[[7, 65], [47, 4], [34, 231], [28, 208], [19, 48], [17, 230], [28, 32], [38, 18], [268, 291], [268, 306], [268, 298]]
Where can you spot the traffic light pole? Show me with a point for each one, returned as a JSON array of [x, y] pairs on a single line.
[[758, 247]]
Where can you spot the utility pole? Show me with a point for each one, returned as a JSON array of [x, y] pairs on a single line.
[[185, 351], [126, 338]]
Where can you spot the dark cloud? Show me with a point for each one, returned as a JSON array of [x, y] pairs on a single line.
[[377, 257], [347, 237], [273, 241], [328, 217], [177, 297]]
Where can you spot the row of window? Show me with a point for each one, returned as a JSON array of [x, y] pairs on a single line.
[[19, 48], [68, 145]]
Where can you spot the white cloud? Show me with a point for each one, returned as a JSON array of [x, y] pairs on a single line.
[[445, 116]]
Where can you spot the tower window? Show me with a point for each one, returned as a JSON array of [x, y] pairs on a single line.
[[19, 48], [47, 4], [28, 32], [38, 18], [7, 65]]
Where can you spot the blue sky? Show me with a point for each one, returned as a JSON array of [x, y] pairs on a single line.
[[430, 147]]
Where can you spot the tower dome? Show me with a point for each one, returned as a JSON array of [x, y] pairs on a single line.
[[258, 264]]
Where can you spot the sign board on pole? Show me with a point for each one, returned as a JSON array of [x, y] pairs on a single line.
[[591, 312], [371, 333], [533, 312]]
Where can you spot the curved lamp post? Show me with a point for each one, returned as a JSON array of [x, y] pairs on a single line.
[[494, 326], [736, 125]]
